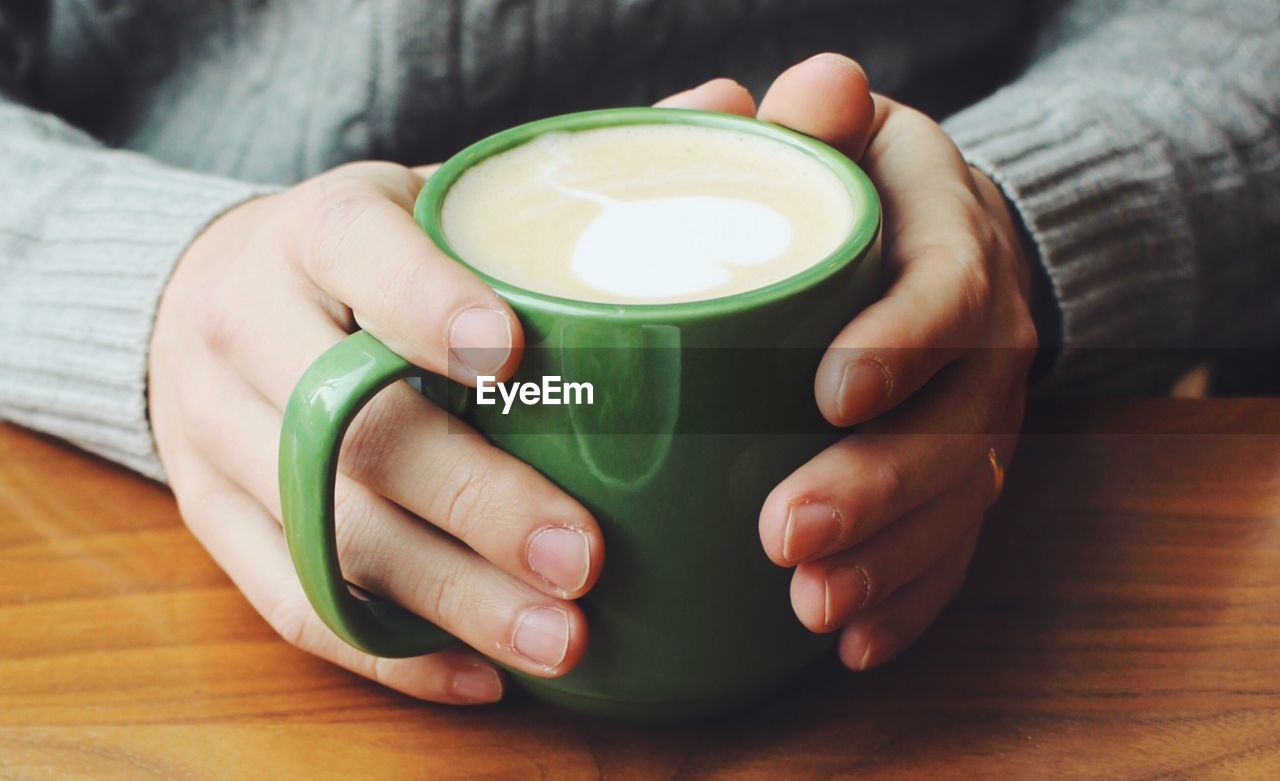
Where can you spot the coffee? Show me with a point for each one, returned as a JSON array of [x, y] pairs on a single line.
[[647, 213]]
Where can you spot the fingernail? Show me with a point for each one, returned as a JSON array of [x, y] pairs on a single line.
[[872, 647], [864, 385], [838, 59], [542, 636], [812, 528], [477, 684], [865, 662], [561, 556], [846, 591], [480, 339], [722, 80]]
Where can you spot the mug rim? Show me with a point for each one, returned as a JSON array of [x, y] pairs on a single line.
[[851, 251]]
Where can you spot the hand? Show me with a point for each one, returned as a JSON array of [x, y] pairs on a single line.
[[255, 299], [881, 526]]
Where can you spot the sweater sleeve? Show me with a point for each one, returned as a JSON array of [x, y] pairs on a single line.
[[1141, 148], [88, 238]]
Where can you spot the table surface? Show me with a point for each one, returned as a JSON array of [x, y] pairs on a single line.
[[1121, 619]]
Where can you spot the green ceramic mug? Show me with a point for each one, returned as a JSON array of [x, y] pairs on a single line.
[[702, 408]]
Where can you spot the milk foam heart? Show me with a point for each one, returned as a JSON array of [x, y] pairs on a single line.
[[647, 213], [664, 247]]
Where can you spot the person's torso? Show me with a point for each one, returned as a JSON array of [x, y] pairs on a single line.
[[276, 90]]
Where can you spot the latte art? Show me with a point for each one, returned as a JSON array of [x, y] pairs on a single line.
[[666, 247], [646, 214]]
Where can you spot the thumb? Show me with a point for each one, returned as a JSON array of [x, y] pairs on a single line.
[[826, 97]]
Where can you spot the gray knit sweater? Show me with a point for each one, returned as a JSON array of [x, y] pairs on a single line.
[[1140, 142]]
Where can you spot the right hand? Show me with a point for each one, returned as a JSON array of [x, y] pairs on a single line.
[[429, 514]]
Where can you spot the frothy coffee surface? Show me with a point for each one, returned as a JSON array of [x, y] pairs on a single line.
[[647, 213]]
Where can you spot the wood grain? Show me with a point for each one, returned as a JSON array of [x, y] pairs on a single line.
[[1122, 620]]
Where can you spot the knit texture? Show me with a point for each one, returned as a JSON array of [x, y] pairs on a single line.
[[1144, 158], [106, 227], [1138, 141]]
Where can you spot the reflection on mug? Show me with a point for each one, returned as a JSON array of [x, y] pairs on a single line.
[[636, 377]]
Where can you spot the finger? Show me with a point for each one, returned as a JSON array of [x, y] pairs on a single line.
[[248, 545], [827, 592], [881, 633], [272, 334], [269, 333], [409, 451], [362, 248], [389, 553], [940, 248], [894, 464], [724, 95], [826, 97]]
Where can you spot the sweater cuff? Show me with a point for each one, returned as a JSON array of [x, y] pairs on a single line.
[[1096, 193], [78, 312]]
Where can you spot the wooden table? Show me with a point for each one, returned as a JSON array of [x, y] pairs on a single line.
[[1122, 620]]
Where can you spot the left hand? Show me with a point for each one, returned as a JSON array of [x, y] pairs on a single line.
[[881, 526]]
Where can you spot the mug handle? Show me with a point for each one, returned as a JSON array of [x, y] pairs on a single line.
[[326, 399]]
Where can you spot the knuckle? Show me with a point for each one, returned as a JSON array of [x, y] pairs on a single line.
[[293, 620], [974, 280], [893, 483], [1023, 335], [356, 169], [220, 322], [400, 296], [468, 500], [370, 170], [333, 209], [442, 591], [371, 438], [986, 238], [1024, 352], [353, 513]]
